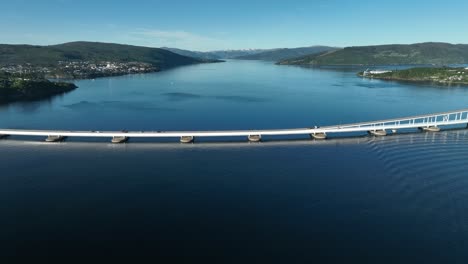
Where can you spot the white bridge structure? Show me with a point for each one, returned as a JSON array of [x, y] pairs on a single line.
[[430, 123]]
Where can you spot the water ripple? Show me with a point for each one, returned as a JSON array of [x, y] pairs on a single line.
[[429, 172]]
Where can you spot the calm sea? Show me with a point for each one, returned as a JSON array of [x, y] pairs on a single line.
[[398, 199]]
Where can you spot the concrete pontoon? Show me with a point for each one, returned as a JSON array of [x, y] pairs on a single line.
[[255, 138], [119, 140], [187, 139], [430, 129], [54, 138], [319, 135], [378, 133]]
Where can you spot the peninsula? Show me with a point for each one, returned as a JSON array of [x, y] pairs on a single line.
[[444, 76], [14, 87]]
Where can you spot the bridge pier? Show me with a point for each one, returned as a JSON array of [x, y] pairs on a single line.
[[319, 135], [378, 133], [430, 129], [54, 138], [187, 139], [119, 140], [3, 136], [254, 138]]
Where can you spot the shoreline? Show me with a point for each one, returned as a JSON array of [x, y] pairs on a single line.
[[34, 91], [444, 76], [54, 85], [418, 81], [63, 78]]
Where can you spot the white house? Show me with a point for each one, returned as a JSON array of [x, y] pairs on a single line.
[[367, 72]]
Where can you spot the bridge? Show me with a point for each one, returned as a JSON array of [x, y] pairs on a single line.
[[430, 122]]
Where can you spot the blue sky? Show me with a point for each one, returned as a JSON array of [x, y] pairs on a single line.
[[240, 24]]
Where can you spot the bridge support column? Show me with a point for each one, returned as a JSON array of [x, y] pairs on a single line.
[[254, 138], [119, 140], [187, 139], [54, 138], [430, 129], [379, 133], [319, 135]]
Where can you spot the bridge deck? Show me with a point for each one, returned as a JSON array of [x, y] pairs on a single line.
[[431, 120]]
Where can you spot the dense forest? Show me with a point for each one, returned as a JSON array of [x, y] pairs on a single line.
[[415, 54], [15, 87]]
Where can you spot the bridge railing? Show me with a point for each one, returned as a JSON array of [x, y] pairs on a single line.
[[437, 119]]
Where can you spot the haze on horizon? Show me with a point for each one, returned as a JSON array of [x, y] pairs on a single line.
[[214, 25]]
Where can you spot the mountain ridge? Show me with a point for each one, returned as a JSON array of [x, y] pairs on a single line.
[[216, 54], [287, 53], [437, 53], [91, 51]]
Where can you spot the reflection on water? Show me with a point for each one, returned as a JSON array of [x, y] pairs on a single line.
[[181, 96], [234, 98], [115, 106], [240, 99]]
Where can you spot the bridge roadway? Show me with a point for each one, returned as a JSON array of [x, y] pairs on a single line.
[[430, 122]]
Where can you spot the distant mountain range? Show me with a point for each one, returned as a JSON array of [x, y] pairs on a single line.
[[253, 54], [161, 58], [215, 55], [283, 54], [233, 54], [422, 53], [91, 51]]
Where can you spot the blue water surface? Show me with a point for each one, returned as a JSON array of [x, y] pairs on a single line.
[[397, 199]]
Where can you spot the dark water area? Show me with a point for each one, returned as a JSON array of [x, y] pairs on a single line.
[[396, 199]]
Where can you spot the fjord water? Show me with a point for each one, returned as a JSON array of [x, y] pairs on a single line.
[[398, 199], [232, 95]]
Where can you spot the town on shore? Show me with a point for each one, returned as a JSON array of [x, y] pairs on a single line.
[[80, 69]]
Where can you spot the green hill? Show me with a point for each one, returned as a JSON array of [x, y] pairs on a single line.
[[283, 54], [21, 87], [91, 51], [422, 53]]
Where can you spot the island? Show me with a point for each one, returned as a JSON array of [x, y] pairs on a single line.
[[14, 87], [443, 75]]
